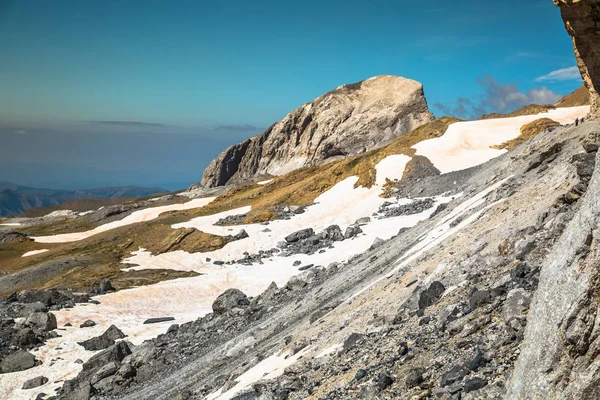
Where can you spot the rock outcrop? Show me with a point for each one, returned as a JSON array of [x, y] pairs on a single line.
[[582, 21], [346, 121]]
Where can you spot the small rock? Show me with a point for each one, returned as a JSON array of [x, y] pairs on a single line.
[[158, 320], [384, 380], [431, 295], [352, 340], [87, 324], [363, 221], [299, 235], [414, 377], [474, 384], [352, 231], [479, 298], [361, 373], [454, 375], [45, 321], [229, 299]]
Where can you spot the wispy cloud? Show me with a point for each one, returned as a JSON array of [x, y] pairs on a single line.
[[497, 97], [20, 132], [565, 74], [237, 128], [128, 123]]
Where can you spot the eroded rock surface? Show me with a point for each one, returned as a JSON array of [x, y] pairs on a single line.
[[346, 121], [582, 21]]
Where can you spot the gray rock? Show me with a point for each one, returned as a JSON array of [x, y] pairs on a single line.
[[158, 320], [384, 380], [24, 337], [228, 300], [456, 373], [431, 295], [103, 372], [103, 341], [414, 377], [17, 361], [363, 221], [516, 304], [299, 235], [352, 231], [44, 321], [479, 298], [474, 384], [35, 382], [87, 324]]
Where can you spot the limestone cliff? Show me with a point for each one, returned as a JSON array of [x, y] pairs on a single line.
[[346, 121], [582, 21]]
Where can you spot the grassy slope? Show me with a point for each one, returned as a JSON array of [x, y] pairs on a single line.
[[528, 132], [580, 97]]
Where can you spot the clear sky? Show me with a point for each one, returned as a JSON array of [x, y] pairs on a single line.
[[196, 76]]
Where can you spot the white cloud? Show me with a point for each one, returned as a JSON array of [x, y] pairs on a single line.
[[20, 132], [565, 74]]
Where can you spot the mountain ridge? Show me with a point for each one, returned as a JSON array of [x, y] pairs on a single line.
[[15, 199]]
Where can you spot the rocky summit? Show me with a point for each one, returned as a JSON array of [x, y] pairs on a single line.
[[349, 120]]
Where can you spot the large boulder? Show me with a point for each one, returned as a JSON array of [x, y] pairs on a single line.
[[228, 300], [299, 235], [17, 361], [103, 341], [346, 121], [44, 321]]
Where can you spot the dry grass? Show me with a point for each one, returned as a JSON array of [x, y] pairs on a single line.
[[580, 97], [528, 132]]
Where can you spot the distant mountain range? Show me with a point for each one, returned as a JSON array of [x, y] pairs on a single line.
[[15, 199]]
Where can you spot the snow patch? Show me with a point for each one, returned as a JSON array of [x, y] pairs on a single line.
[[265, 182], [34, 252], [135, 217], [467, 144]]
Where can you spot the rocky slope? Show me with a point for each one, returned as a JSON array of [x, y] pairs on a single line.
[[582, 21], [438, 311], [346, 121]]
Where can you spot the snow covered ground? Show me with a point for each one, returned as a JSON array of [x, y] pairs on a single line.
[[146, 214], [467, 144], [11, 224], [34, 252]]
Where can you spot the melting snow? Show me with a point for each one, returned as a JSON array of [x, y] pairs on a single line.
[[135, 217], [34, 252], [265, 182], [467, 144], [269, 368]]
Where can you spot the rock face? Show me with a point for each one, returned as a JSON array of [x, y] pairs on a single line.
[[559, 354], [346, 121], [582, 21]]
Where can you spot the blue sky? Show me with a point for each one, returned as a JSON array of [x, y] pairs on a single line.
[[208, 74]]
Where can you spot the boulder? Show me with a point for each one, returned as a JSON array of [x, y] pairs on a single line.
[[35, 382], [431, 295], [44, 321], [334, 233], [17, 361], [103, 341], [230, 299], [87, 324], [352, 231], [299, 235]]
